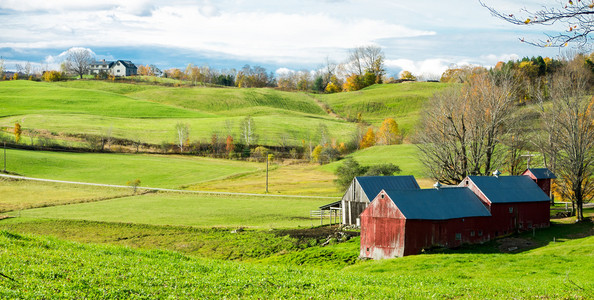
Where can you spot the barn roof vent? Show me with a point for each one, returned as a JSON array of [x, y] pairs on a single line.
[[496, 173], [437, 185]]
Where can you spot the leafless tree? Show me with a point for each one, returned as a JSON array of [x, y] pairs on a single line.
[[78, 61], [248, 128], [569, 120], [576, 15], [463, 127], [365, 59], [182, 131]]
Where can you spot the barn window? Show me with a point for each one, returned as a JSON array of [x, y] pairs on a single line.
[[472, 233], [367, 249], [458, 236], [466, 183], [480, 233], [511, 210]]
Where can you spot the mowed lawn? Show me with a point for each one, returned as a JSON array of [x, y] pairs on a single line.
[[201, 210], [153, 170]]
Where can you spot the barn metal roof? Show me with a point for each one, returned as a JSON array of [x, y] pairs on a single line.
[[372, 185], [509, 189], [328, 206], [438, 204], [542, 173]]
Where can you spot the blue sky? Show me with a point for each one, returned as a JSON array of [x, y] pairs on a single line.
[[424, 37]]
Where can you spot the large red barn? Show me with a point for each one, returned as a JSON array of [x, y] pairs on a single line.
[[399, 222]]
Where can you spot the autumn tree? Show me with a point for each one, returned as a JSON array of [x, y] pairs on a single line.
[[569, 140], [576, 17], [17, 132], [388, 133], [407, 75], [368, 139], [462, 127], [229, 145], [78, 61]]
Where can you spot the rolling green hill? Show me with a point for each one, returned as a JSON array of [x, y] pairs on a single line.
[[149, 113], [402, 101]]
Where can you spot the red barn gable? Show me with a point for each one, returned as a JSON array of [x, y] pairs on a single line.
[[542, 177], [399, 222]]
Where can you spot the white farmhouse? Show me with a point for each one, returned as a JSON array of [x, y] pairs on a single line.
[[115, 68]]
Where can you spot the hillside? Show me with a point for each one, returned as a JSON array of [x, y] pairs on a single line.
[[47, 267], [402, 101], [149, 113]]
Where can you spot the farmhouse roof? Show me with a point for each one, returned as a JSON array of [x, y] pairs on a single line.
[[509, 189], [438, 204], [541, 173], [372, 185], [127, 63]]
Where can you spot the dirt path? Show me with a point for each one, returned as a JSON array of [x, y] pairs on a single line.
[[163, 190], [325, 108]]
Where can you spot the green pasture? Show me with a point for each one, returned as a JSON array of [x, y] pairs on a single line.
[[20, 195], [164, 171], [404, 155], [402, 101], [45, 267], [150, 113], [190, 210]]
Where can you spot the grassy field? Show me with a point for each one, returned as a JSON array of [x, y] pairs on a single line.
[[149, 113], [302, 179], [404, 156], [153, 170], [46, 267], [20, 195], [402, 101], [190, 210]]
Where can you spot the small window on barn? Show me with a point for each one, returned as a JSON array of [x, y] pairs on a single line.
[[511, 210], [458, 236], [367, 249], [480, 233], [466, 183], [472, 233]]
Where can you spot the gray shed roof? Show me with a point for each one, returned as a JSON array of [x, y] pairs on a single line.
[[509, 189], [438, 204], [542, 173], [372, 185]]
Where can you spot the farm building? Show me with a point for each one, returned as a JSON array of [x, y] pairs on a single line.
[[542, 177], [515, 202], [364, 188], [399, 223], [404, 222]]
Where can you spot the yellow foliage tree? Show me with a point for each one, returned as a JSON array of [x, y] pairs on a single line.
[[17, 132], [407, 75], [315, 154], [368, 139], [388, 134]]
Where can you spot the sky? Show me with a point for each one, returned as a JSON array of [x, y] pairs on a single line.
[[423, 37]]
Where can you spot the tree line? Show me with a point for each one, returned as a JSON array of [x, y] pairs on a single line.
[[493, 117]]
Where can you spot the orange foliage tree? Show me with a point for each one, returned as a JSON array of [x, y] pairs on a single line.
[[368, 139]]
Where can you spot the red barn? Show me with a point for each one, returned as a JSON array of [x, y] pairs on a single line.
[[542, 177], [516, 203], [403, 222]]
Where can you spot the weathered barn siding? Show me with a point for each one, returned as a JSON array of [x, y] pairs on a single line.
[[513, 217], [353, 203], [424, 234], [384, 232]]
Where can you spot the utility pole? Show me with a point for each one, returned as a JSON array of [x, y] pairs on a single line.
[[268, 158], [4, 157]]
